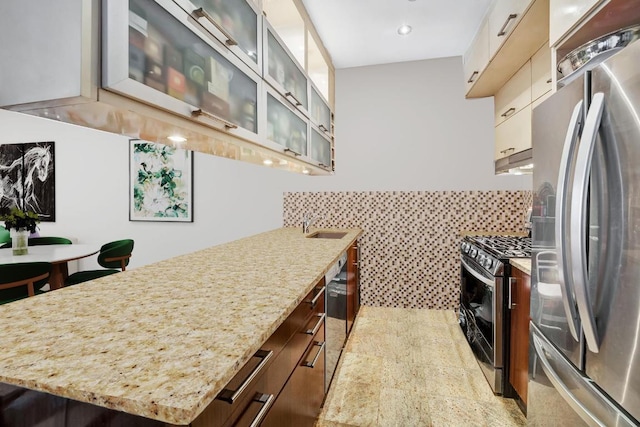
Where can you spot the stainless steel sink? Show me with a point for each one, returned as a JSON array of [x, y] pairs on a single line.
[[327, 235]]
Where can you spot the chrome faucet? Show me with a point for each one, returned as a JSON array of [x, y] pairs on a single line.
[[307, 220]]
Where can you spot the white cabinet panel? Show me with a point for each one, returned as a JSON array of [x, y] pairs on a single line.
[[541, 72], [477, 57], [565, 14], [503, 18], [514, 134], [515, 95]]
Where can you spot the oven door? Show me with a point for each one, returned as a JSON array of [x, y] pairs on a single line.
[[481, 317]]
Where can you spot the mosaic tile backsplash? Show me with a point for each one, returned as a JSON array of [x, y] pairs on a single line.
[[410, 246]]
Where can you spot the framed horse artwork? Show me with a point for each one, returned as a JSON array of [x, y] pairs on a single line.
[[27, 178]]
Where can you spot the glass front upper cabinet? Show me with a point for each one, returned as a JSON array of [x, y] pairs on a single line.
[[319, 112], [284, 17], [286, 127], [235, 23], [156, 53], [317, 67], [283, 73], [320, 148]]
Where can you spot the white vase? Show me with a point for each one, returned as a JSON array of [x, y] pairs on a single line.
[[20, 241]]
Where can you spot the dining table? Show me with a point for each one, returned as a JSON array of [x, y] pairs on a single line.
[[57, 255]]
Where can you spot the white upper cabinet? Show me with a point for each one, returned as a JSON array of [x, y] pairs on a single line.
[[477, 57], [503, 18], [565, 14]]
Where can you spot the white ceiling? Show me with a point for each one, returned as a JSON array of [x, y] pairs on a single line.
[[364, 32]]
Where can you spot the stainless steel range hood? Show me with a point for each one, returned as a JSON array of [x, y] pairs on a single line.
[[518, 163], [54, 69]]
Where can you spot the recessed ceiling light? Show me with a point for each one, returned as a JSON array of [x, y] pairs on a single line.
[[267, 162], [176, 138], [404, 30]]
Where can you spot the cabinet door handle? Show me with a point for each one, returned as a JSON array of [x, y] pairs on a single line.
[[200, 112], [473, 77], [323, 129], [291, 95], [289, 150], [312, 364], [508, 112], [314, 300], [506, 150], [322, 165], [549, 81], [504, 26], [266, 400], [512, 281], [201, 13], [313, 331], [231, 396]]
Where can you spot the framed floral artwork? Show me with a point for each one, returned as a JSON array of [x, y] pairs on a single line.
[[161, 183]]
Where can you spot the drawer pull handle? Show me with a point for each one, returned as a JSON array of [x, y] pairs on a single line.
[[312, 364], [266, 400], [227, 124], [314, 301], [201, 13], [230, 396], [317, 325], [473, 77], [291, 95], [504, 27], [508, 112], [289, 150]]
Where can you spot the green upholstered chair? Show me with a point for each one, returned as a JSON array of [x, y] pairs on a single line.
[[5, 236], [38, 241], [22, 280], [112, 256]]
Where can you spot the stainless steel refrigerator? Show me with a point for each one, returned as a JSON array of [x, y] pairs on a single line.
[[584, 364]]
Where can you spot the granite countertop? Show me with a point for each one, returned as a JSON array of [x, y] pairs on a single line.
[[161, 341], [522, 264]]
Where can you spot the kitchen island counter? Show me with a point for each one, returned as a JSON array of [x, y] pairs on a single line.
[[161, 341]]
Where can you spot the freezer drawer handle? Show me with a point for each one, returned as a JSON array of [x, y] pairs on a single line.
[[565, 277], [502, 31], [201, 13], [577, 235], [231, 396]]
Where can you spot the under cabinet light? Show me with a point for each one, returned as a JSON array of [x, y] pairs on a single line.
[[267, 162], [404, 30], [176, 138]]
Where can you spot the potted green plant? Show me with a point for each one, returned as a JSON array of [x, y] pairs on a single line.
[[20, 224]]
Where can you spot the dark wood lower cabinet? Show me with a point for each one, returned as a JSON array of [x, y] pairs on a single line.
[[353, 284], [520, 289], [298, 405]]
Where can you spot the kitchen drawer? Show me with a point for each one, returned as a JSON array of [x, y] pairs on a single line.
[[514, 95], [255, 376], [514, 134], [541, 72]]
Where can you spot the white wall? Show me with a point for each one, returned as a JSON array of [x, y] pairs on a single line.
[[407, 126], [232, 199], [399, 126]]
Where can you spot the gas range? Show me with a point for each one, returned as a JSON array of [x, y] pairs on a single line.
[[493, 252]]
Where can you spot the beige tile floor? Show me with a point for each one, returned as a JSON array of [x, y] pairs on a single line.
[[408, 367]]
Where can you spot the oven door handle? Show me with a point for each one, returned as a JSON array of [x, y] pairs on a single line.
[[487, 281]]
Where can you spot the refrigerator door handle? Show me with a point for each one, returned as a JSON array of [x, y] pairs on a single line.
[[570, 144], [578, 234]]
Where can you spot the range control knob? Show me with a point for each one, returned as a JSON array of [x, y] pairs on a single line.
[[488, 263], [480, 259], [473, 252], [465, 247]]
